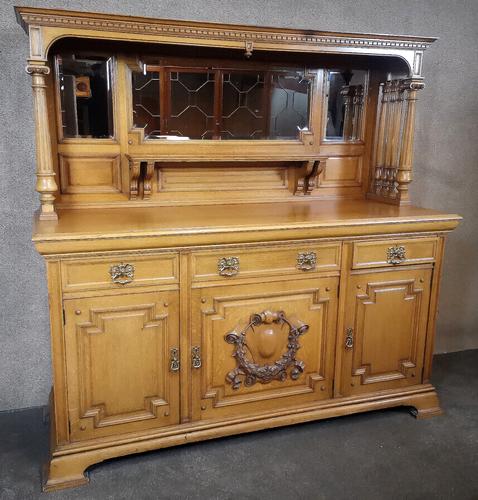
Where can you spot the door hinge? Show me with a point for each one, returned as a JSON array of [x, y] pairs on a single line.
[[69, 427], [64, 317]]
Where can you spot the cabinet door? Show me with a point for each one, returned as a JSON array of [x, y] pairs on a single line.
[[386, 320], [263, 346], [118, 354]]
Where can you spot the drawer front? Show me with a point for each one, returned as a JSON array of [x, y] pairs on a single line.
[[390, 253], [119, 272], [267, 261]]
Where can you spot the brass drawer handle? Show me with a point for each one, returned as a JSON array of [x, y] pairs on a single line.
[[228, 266], [196, 356], [349, 338], [122, 273], [306, 261], [174, 359], [396, 255]]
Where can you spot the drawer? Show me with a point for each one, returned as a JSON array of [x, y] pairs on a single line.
[[393, 253], [119, 272], [265, 261]]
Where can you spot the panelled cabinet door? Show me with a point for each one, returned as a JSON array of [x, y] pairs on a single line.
[[263, 347], [385, 330], [120, 353]]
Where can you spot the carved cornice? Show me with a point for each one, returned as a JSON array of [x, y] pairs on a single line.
[[182, 29]]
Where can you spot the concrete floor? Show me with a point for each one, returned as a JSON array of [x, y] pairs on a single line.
[[378, 455]]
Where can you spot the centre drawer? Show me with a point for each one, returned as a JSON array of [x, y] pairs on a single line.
[[255, 262], [119, 271]]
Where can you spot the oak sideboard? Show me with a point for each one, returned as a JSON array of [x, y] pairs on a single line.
[[227, 230]]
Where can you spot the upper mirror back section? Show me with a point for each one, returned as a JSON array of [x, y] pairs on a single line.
[[220, 103]]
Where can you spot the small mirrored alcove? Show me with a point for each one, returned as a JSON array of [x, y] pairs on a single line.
[[345, 93], [85, 95]]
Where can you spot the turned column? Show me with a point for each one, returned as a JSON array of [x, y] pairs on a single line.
[[404, 174], [45, 184], [379, 156], [347, 100]]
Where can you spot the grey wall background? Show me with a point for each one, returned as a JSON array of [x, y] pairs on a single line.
[[446, 156]]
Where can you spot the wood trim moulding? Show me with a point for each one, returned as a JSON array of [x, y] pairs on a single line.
[[78, 457], [48, 25]]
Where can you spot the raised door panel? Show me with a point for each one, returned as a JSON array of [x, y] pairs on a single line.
[[263, 346], [118, 353], [385, 330]]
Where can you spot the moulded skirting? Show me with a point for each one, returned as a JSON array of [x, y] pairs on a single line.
[[67, 466]]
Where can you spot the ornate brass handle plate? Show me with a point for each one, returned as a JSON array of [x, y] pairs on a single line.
[[174, 359], [122, 273], [251, 372], [228, 266], [396, 255], [349, 338], [196, 357], [307, 261]]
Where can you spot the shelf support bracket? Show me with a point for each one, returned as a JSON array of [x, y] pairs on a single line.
[[303, 178], [134, 174], [148, 178]]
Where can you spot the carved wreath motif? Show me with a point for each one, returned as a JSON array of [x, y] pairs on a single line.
[[396, 255], [252, 372], [122, 273]]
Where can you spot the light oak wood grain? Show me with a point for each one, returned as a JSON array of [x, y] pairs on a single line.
[[200, 289]]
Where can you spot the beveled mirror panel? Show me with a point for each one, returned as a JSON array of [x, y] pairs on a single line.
[[85, 95], [345, 97]]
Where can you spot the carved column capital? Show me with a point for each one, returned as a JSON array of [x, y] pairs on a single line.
[[35, 69], [412, 84]]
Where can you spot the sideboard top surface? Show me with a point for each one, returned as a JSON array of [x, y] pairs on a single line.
[[135, 228]]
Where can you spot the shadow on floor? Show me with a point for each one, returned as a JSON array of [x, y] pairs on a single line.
[[384, 454]]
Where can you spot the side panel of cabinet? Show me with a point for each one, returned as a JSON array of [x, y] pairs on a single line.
[[221, 388], [118, 351], [386, 318]]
